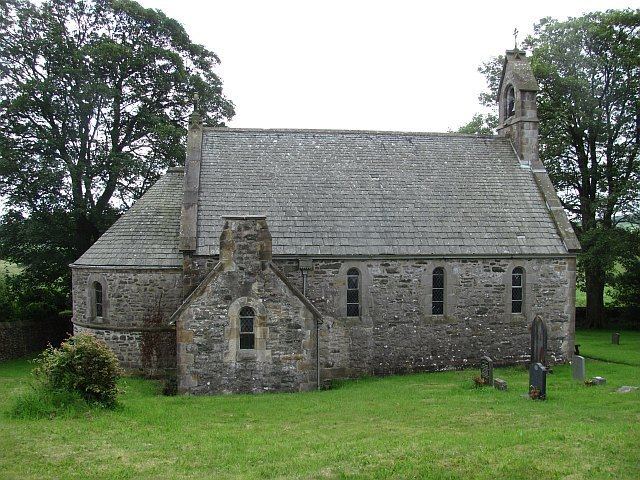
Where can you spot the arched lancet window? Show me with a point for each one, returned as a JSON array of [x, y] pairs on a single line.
[[437, 292], [247, 334], [511, 101], [97, 298], [517, 289], [353, 293]]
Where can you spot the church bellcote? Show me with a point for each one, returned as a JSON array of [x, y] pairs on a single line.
[[518, 114]]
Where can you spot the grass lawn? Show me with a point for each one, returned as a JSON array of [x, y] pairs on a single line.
[[596, 344], [415, 426], [609, 291], [581, 296]]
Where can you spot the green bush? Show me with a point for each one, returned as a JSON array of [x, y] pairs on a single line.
[[83, 365]]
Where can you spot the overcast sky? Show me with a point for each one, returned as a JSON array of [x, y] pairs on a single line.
[[381, 65]]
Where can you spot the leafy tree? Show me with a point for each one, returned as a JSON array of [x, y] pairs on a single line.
[[588, 69], [627, 281], [481, 125], [94, 99]]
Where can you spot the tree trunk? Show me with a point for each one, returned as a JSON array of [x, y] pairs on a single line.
[[86, 233], [594, 280]]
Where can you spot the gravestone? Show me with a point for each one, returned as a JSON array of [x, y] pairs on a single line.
[[537, 381], [499, 383], [486, 370], [626, 389], [615, 338], [538, 341], [578, 368], [598, 380]]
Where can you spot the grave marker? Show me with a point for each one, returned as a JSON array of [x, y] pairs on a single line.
[[486, 370], [615, 338], [626, 389], [537, 381], [538, 341], [499, 383], [578, 368]]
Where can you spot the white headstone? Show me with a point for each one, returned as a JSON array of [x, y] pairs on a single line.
[[578, 368]]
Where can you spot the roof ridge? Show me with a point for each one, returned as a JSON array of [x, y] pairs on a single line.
[[338, 131]]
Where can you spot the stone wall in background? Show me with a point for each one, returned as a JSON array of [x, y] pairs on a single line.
[[615, 318], [18, 339]]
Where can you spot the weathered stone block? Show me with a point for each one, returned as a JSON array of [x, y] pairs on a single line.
[[500, 384]]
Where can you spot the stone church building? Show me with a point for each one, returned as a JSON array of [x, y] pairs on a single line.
[[281, 259]]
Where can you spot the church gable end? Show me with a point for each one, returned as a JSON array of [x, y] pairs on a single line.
[[245, 329], [518, 121]]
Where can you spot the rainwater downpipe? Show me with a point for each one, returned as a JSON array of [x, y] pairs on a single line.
[[318, 352], [304, 283], [305, 266]]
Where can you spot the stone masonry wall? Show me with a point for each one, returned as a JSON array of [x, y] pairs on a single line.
[[137, 305], [18, 339], [397, 333], [209, 359]]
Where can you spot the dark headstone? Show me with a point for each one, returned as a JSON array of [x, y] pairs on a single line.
[[615, 338], [538, 341], [578, 368], [537, 381], [486, 370], [500, 384], [577, 349]]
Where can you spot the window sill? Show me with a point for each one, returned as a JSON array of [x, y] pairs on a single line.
[[247, 354], [443, 319], [517, 318]]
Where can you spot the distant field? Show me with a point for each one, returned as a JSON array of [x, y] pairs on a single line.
[[430, 425], [8, 268], [581, 296]]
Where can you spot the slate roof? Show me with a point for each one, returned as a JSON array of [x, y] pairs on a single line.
[[344, 193], [147, 234], [373, 193]]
